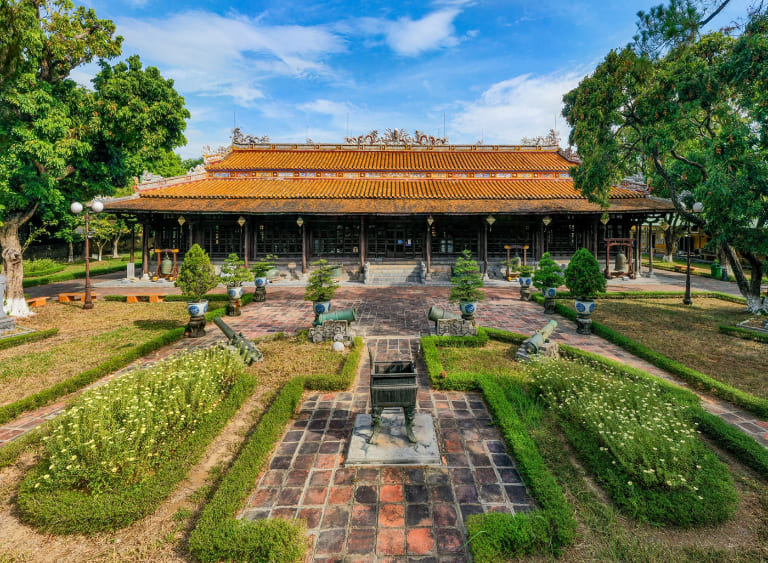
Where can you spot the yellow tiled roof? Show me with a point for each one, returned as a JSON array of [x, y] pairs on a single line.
[[392, 160], [431, 189]]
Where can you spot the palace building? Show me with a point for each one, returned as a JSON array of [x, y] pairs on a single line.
[[360, 203]]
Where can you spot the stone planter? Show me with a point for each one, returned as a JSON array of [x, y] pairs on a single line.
[[584, 309], [468, 309], [261, 281], [524, 281], [196, 326]]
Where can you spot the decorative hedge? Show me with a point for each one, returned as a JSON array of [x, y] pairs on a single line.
[[695, 378], [83, 379], [66, 276], [66, 510], [218, 535], [743, 333], [20, 339], [497, 536]]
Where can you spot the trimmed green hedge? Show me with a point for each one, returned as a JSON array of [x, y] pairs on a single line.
[[67, 511], [41, 273], [745, 448], [495, 536], [652, 295], [218, 535], [743, 333], [66, 276], [697, 379], [77, 382], [20, 339]]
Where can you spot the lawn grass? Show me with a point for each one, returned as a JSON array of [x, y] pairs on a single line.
[[76, 270], [495, 358], [85, 340], [690, 335]]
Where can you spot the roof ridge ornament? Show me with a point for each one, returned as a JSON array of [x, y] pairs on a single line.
[[550, 139], [239, 139], [396, 137]]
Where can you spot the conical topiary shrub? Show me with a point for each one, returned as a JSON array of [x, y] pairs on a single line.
[[583, 276], [197, 275]]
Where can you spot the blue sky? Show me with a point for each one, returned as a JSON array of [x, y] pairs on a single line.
[[490, 70]]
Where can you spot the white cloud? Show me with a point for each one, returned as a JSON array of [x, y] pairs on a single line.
[[407, 36], [526, 105], [210, 54], [328, 107]]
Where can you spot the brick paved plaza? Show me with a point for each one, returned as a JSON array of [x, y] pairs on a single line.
[[392, 513]]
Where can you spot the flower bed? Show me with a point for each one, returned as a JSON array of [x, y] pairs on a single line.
[[121, 448], [639, 445]]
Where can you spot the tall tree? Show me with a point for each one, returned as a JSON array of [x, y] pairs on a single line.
[[59, 141], [690, 110]]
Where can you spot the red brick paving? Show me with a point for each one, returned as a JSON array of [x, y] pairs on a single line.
[[391, 513]]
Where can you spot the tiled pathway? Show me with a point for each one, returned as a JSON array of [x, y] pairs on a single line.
[[375, 513], [397, 312]]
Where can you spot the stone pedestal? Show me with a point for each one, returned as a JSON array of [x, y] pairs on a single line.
[[130, 271], [456, 327], [260, 294], [547, 351], [196, 327], [549, 305], [233, 308], [335, 331], [392, 446], [525, 293], [7, 324], [584, 324]]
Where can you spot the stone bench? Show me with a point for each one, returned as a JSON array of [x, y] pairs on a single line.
[[75, 296], [37, 301], [150, 298]]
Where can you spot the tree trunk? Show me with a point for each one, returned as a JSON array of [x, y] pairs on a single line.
[[750, 289], [114, 247], [13, 266], [71, 255]]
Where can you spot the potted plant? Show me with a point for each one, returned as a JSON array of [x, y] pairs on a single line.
[[525, 275], [321, 286], [585, 281], [233, 274], [261, 269], [465, 284], [196, 277], [547, 279], [512, 267]]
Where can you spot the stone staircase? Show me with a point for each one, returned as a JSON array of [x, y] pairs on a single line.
[[394, 274]]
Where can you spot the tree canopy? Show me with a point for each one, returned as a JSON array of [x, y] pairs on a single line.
[[60, 141], [689, 110]]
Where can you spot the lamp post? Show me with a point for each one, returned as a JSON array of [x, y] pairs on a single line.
[[546, 221], [698, 207], [76, 207]]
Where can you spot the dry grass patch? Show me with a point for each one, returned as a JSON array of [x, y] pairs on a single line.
[[495, 358], [286, 357], [85, 340], [690, 335]]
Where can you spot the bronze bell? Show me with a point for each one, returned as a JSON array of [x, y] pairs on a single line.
[[166, 266], [621, 262]]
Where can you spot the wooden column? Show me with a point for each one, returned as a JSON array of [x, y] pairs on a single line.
[[304, 249], [246, 244], [639, 235], [429, 247], [144, 249], [133, 242], [363, 242], [594, 238], [485, 249]]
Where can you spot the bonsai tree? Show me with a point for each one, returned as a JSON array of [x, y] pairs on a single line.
[[526, 271], [583, 276], [321, 286], [548, 275], [197, 275], [467, 280], [263, 265], [233, 272]]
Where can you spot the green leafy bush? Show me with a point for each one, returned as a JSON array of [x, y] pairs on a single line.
[[744, 333], [196, 275], [233, 272], [41, 267], [583, 277], [467, 280], [321, 286], [639, 444], [260, 267], [549, 273]]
